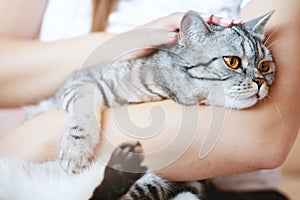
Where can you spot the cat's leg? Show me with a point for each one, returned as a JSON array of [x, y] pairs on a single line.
[[123, 170], [150, 186], [193, 190], [81, 131]]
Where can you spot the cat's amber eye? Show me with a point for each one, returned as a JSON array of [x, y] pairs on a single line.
[[232, 62], [264, 67]]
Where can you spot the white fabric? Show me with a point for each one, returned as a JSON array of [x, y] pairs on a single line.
[[70, 18], [132, 13], [244, 3], [66, 19], [258, 180]]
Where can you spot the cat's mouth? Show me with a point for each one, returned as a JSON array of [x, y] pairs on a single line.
[[247, 101], [235, 103], [262, 92], [258, 91]]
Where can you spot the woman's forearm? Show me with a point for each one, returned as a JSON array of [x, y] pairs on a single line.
[[180, 143], [32, 70], [196, 143]]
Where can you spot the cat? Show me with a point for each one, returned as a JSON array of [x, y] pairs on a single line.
[[229, 67]]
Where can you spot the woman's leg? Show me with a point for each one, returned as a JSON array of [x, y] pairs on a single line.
[[10, 119], [35, 140]]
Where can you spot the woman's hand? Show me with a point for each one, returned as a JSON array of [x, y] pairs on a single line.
[[165, 31]]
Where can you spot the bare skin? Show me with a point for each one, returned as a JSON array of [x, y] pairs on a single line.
[[257, 138]]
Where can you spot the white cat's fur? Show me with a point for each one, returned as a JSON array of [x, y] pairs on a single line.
[[46, 181]]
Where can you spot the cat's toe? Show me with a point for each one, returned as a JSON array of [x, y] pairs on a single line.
[[74, 163], [134, 147], [128, 157]]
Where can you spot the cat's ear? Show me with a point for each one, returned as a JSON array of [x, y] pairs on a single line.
[[193, 27], [257, 26]]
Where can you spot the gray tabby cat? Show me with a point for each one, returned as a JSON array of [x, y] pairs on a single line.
[[229, 67]]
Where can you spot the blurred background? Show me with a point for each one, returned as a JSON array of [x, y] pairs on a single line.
[[291, 173]]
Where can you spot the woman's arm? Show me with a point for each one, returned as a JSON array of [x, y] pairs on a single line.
[[30, 69], [21, 19]]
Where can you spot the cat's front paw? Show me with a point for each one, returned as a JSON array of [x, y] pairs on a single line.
[[74, 159]]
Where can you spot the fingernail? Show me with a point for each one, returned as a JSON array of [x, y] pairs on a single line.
[[172, 36], [205, 15], [226, 21], [237, 21]]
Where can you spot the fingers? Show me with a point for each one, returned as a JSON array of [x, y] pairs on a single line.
[[163, 37], [174, 20], [208, 17], [151, 38], [221, 21]]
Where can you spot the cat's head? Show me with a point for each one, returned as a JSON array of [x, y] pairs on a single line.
[[234, 61]]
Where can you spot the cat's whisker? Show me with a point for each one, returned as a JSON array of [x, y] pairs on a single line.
[[270, 35], [277, 109], [272, 43], [265, 29]]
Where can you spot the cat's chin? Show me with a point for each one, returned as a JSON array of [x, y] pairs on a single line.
[[233, 103]]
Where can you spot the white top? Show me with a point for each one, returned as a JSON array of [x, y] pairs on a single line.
[[131, 13], [70, 18], [66, 19]]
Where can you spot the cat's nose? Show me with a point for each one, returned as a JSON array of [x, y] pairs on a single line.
[[259, 82]]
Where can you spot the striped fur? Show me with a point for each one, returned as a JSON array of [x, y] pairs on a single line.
[[190, 72]]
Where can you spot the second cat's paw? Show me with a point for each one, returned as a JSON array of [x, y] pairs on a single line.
[[125, 163], [127, 158], [123, 170], [74, 160]]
